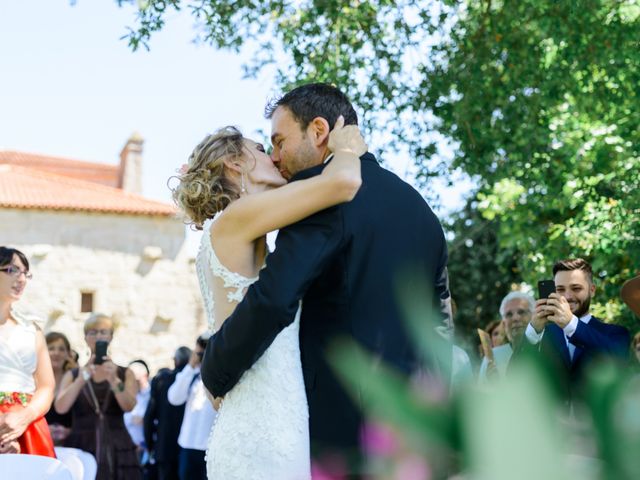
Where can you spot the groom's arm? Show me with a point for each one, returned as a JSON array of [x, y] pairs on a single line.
[[302, 252]]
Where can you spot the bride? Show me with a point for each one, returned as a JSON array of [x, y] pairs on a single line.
[[230, 190]]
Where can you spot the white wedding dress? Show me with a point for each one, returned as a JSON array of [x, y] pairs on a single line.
[[262, 429]]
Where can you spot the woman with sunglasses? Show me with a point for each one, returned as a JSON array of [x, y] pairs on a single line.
[[26, 378]]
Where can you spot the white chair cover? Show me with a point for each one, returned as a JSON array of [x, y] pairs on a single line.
[[33, 467], [82, 464]]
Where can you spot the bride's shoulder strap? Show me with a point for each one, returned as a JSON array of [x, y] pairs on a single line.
[[27, 319]]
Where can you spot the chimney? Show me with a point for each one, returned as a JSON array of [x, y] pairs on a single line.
[[131, 165]]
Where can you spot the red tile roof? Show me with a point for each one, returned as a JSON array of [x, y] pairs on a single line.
[[32, 188], [91, 172]]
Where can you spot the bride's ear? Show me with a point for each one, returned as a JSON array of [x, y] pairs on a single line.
[[234, 165], [319, 130]]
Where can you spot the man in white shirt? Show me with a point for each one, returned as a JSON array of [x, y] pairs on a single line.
[[133, 419], [564, 330], [199, 415]]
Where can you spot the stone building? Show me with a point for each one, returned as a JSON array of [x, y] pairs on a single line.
[[96, 245]]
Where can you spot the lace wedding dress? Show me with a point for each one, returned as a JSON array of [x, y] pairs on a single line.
[[262, 430]]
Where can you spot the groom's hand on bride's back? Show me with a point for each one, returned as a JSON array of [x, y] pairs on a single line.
[[216, 402]]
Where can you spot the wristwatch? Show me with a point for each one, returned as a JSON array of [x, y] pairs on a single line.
[[86, 374], [119, 388]]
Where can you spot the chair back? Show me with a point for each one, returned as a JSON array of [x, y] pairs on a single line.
[[33, 467], [82, 464]]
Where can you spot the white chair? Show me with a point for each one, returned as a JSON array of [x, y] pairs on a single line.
[[82, 464], [33, 467]]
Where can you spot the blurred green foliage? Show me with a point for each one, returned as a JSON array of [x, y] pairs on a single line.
[[517, 427], [481, 271]]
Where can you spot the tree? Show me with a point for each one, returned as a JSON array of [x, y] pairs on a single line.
[[481, 272], [542, 99], [537, 98], [370, 49]]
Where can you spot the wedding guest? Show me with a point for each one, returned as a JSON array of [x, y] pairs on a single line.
[[630, 293], [134, 419], [199, 415], [26, 379], [565, 332], [162, 420], [61, 361], [495, 329], [516, 310], [635, 349], [97, 395]]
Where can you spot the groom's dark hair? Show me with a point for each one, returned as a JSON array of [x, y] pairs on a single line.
[[315, 100]]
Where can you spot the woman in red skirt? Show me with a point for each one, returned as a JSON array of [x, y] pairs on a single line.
[[26, 378]]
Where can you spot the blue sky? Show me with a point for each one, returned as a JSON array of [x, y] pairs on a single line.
[[69, 86]]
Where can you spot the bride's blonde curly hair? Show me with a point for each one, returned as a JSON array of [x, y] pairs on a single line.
[[203, 188]]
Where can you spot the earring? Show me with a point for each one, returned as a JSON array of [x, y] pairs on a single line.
[[242, 187]]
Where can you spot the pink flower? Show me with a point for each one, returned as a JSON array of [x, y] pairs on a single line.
[[412, 467], [183, 169], [330, 467], [378, 439]]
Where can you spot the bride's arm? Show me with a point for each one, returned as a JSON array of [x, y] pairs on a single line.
[[253, 216]]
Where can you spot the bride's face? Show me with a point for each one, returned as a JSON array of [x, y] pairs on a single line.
[[262, 173], [13, 279]]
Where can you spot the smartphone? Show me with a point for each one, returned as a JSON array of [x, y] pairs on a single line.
[[546, 288], [101, 351]]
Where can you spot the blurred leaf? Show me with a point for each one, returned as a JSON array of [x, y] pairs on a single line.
[[512, 431], [424, 322], [387, 395], [612, 395]]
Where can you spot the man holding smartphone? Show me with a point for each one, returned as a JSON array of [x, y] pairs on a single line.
[[565, 331]]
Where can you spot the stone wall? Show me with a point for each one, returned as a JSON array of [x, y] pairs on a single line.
[[137, 268]]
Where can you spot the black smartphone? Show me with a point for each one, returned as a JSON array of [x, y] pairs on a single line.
[[546, 288], [101, 351]]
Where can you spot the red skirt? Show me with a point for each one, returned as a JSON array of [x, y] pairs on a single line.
[[36, 439]]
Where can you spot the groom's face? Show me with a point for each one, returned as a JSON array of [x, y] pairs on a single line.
[[293, 149]]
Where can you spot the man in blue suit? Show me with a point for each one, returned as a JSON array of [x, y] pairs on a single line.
[[566, 333]]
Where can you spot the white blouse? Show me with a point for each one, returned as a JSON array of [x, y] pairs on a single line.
[[18, 357]]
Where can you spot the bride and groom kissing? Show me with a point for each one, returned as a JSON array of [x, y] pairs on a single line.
[[347, 227]]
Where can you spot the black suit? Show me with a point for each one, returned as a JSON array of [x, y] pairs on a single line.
[[593, 340], [162, 423], [344, 263]]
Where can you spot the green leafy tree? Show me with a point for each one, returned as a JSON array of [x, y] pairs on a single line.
[[372, 50], [481, 272], [542, 99]]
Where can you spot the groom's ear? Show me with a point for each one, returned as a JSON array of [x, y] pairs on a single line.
[[319, 130]]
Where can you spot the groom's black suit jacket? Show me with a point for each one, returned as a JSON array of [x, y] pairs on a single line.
[[343, 262]]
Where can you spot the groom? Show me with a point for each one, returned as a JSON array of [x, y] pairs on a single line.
[[342, 262]]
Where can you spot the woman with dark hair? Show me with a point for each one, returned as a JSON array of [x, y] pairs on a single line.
[[26, 378], [61, 361], [495, 329]]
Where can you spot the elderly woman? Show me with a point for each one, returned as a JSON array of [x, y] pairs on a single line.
[[26, 378], [97, 395]]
